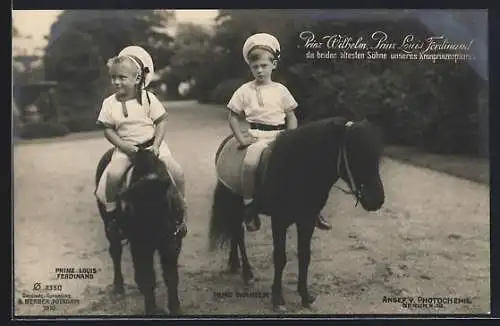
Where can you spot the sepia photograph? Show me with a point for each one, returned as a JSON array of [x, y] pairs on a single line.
[[250, 163]]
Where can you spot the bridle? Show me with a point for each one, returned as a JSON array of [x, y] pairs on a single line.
[[342, 156]]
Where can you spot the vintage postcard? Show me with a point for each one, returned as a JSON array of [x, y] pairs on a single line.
[[250, 163]]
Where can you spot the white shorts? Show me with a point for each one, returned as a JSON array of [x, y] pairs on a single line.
[[264, 137]]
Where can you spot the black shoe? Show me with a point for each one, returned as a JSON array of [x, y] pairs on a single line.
[[252, 220], [182, 231], [322, 224]]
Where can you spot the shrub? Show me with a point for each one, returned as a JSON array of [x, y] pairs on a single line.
[[222, 93], [427, 105], [43, 130], [82, 123]]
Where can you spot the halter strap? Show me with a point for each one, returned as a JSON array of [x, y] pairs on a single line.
[[342, 156]]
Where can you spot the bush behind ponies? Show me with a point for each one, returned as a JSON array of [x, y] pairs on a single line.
[[47, 129]]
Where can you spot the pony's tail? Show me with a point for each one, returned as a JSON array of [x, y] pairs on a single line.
[[226, 217]]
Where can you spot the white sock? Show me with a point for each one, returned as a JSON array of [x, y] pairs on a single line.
[[247, 201]]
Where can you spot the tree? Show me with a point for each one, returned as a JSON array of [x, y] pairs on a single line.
[[231, 30], [192, 52], [112, 30], [94, 36]]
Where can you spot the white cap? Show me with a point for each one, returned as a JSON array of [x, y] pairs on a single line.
[[263, 40], [138, 53]]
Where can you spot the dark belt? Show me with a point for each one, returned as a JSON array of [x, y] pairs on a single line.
[[264, 127], [146, 144]]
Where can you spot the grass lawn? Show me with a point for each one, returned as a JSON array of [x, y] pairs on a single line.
[[470, 168]]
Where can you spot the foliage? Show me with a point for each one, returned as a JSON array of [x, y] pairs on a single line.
[[79, 44], [42, 130], [82, 123], [24, 66], [223, 92], [112, 30], [190, 47], [93, 37]]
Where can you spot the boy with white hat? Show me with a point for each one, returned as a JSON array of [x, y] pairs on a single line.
[[268, 107], [133, 117]]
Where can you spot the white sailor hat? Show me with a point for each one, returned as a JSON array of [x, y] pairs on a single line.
[[263, 41], [143, 60]]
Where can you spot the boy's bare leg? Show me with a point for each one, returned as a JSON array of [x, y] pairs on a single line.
[[252, 158], [116, 168]]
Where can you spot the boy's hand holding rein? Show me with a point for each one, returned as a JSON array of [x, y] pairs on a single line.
[[155, 149], [245, 139], [128, 149]]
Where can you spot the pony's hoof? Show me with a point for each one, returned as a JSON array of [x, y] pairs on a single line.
[[183, 231], [117, 291], [308, 300], [249, 280], [252, 226], [280, 308], [156, 312]]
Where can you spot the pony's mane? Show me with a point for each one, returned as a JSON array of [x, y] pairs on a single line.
[[367, 133], [147, 162], [360, 131]]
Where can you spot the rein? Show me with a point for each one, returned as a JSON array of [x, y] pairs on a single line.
[[342, 156]]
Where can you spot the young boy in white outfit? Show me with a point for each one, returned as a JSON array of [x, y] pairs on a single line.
[[133, 117], [268, 107]]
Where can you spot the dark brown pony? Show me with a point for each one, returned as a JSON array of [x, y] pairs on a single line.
[[151, 223], [301, 167]]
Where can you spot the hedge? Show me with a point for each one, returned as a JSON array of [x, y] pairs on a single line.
[[35, 130], [222, 93], [81, 123]]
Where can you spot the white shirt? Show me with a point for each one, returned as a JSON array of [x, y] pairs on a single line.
[[275, 101], [138, 126]]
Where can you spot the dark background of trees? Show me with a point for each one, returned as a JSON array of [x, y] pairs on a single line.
[[432, 106]]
